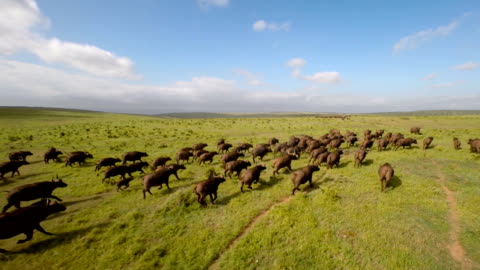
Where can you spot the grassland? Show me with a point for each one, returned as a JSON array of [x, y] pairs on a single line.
[[344, 222]]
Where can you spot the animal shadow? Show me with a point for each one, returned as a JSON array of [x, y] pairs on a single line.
[[58, 239], [227, 199], [23, 176], [394, 182], [273, 180], [69, 203], [367, 162], [344, 164]]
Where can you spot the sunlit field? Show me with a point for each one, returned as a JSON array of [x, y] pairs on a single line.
[[343, 222]]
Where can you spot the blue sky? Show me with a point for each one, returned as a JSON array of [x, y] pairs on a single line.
[[232, 55]]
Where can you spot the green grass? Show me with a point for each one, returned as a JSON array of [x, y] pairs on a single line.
[[344, 222]]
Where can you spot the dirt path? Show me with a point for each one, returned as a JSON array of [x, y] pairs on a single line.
[[247, 229], [455, 247]]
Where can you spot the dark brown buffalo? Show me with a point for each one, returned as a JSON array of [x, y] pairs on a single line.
[[207, 157], [199, 153], [19, 156], [382, 144], [251, 175], [161, 161], [79, 157], [230, 156], [188, 149], [385, 172], [284, 161], [11, 166], [183, 156], [322, 158], [351, 140], [136, 167], [293, 141], [26, 220], [395, 138], [280, 148], [456, 143], [315, 153], [415, 130], [367, 144], [106, 162], [52, 153], [360, 155], [224, 147], [303, 176], [367, 132], [379, 133], [235, 166], [273, 141], [243, 147], [260, 151], [206, 188], [427, 142], [29, 192], [335, 144], [158, 178], [133, 156], [115, 171], [333, 159], [474, 145], [175, 168], [405, 142], [199, 146]]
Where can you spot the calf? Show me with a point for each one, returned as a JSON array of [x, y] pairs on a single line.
[[19, 156], [456, 143], [161, 161], [106, 162], [175, 168], [385, 172], [206, 188], [302, 176], [158, 178], [360, 155], [133, 156], [251, 175], [260, 151], [235, 166], [207, 157], [29, 192], [183, 156], [427, 142], [124, 183], [333, 159], [11, 166], [284, 161], [77, 157], [26, 220]]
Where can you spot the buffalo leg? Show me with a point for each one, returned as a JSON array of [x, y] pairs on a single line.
[[42, 230], [55, 197], [29, 237]]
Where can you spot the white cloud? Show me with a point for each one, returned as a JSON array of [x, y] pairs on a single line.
[[324, 77], [467, 66], [430, 77], [320, 77], [262, 25], [20, 18], [252, 78], [214, 3], [412, 41], [447, 84]]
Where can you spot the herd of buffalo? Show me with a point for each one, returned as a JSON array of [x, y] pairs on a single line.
[[323, 150]]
